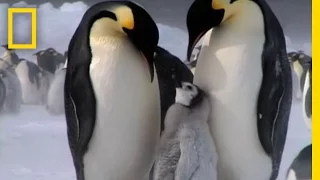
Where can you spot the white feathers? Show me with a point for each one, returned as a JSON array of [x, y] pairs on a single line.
[[229, 70], [185, 94], [55, 99], [127, 128], [187, 150]]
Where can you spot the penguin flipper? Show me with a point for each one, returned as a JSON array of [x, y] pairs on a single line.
[[80, 113], [274, 105]]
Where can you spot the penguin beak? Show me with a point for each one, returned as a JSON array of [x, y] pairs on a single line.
[[202, 16]]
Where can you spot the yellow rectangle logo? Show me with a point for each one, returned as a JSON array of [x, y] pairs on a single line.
[[33, 12]]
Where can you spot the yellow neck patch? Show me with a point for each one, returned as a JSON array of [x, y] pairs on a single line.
[[125, 16], [219, 4]]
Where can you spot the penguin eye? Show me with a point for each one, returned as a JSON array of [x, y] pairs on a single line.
[[189, 87]]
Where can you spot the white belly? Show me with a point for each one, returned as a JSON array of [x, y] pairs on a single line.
[[230, 71], [127, 126], [30, 93]]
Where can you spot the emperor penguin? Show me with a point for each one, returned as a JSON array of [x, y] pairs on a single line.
[[30, 77], [13, 94], [300, 63], [10, 56], [112, 99], [307, 96], [58, 58], [301, 167], [186, 150], [247, 75]]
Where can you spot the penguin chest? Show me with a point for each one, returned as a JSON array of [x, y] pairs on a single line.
[[127, 124], [229, 69]]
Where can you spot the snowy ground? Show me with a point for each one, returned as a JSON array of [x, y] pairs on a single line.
[[33, 145]]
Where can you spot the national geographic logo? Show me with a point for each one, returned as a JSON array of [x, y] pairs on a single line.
[[33, 12]]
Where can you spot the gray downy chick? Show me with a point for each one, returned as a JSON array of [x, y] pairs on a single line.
[[186, 150]]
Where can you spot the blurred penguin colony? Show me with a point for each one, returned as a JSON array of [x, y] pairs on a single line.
[[41, 82], [32, 83]]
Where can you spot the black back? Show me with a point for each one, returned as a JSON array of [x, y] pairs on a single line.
[[170, 70], [33, 73], [48, 61], [2, 91], [302, 164], [15, 59], [275, 97]]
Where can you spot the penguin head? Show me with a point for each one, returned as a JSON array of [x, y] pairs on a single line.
[[188, 94], [122, 18], [204, 15]]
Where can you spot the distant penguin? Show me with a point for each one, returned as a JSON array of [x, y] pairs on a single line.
[[112, 98], [13, 94], [30, 76], [186, 150], [301, 167], [55, 101], [49, 60], [2, 92], [58, 58], [247, 76], [307, 97], [170, 69], [300, 63], [10, 56]]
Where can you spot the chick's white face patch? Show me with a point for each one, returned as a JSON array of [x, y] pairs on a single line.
[[186, 93]]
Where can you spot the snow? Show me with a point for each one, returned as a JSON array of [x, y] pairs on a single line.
[[33, 144]]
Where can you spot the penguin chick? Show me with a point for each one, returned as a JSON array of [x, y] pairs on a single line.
[[186, 150]]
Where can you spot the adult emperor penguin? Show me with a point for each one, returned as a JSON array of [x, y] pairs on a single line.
[[247, 75], [300, 63], [112, 100], [13, 93], [307, 96], [30, 76]]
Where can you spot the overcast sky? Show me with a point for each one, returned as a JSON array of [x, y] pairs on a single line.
[[294, 15]]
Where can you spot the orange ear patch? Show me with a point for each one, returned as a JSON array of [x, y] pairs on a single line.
[[125, 16]]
